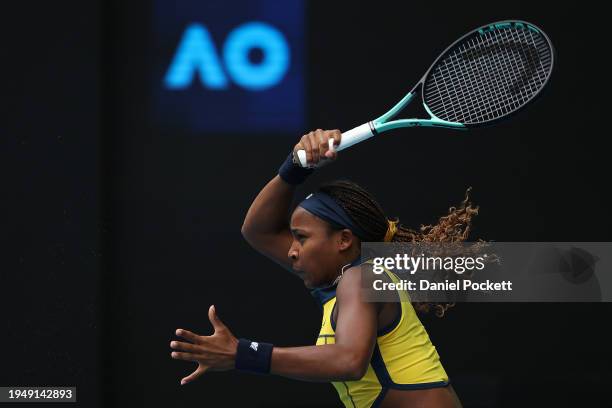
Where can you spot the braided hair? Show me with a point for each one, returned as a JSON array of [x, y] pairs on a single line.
[[365, 211]]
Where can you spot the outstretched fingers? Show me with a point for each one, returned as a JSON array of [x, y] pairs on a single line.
[[178, 355], [182, 346], [197, 373], [187, 335]]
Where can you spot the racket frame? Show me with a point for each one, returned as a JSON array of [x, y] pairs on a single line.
[[384, 123]]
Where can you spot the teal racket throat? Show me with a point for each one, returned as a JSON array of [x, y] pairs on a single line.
[[383, 123]]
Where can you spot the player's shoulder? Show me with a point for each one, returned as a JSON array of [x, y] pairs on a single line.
[[350, 288], [352, 278], [360, 276]]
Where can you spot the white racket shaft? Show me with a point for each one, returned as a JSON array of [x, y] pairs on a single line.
[[348, 138]]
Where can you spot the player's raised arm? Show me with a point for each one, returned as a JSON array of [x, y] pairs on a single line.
[[266, 225]]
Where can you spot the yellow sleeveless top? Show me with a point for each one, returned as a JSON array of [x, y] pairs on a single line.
[[403, 358]]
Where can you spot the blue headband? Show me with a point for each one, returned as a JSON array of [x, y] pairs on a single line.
[[326, 208]]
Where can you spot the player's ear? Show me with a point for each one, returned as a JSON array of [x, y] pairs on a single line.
[[346, 239]]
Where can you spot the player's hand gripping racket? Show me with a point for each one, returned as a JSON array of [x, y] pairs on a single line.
[[483, 77]]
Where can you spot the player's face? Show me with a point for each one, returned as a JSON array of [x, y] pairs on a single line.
[[314, 251]]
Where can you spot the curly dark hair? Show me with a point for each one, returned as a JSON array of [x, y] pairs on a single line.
[[367, 213]]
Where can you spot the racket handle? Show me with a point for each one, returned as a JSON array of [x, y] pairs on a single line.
[[349, 138]]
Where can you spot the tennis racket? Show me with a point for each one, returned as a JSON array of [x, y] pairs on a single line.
[[484, 77]]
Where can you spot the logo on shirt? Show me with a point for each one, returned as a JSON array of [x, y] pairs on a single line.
[[254, 345]]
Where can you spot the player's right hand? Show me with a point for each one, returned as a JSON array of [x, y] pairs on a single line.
[[317, 147]]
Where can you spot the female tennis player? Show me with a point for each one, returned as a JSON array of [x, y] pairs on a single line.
[[375, 354]]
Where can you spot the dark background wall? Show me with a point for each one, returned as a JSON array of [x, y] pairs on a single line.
[[50, 242], [118, 231]]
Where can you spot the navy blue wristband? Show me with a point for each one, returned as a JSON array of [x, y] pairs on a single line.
[[292, 173], [253, 357]]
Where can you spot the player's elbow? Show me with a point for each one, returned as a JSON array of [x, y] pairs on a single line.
[[244, 230], [354, 366], [248, 233]]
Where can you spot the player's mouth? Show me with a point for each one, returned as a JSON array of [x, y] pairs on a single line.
[[300, 272]]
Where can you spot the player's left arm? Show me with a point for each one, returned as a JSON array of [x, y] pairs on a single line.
[[345, 360]]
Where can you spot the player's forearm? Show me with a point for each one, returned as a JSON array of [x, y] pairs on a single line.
[[330, 362], [269, 211]]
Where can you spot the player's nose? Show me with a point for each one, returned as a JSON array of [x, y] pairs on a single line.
[[293, 253]]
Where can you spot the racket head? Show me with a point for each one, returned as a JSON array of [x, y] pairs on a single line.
[[489, 74]]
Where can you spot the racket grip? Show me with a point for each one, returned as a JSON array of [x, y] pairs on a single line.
[[348, 138]]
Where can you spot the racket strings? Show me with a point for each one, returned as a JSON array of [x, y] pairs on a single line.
[[488, 75], [470, 80], [494, 80]]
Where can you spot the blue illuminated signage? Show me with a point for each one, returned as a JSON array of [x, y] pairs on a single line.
[[196, 52], [229, 66]]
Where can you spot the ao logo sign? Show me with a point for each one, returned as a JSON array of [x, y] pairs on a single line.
[[197, 53]]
